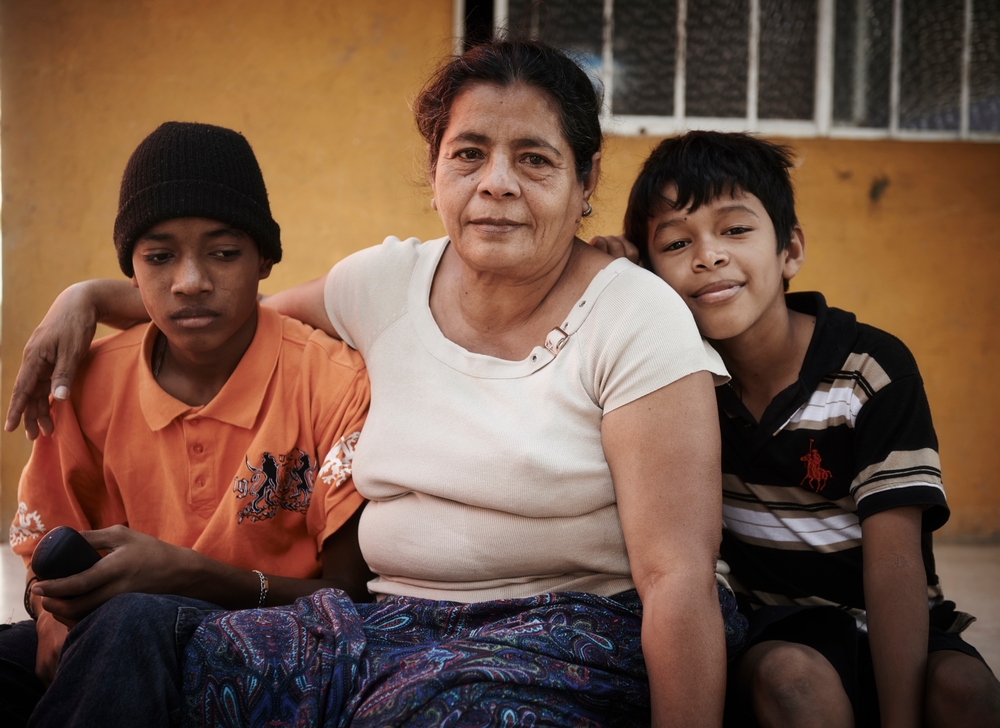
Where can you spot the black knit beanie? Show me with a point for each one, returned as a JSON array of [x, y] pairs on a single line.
[[193, 170]]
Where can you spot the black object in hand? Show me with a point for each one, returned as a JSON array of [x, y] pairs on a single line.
[[62, 552]]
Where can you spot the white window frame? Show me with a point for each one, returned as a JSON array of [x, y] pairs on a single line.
[[820, 126]]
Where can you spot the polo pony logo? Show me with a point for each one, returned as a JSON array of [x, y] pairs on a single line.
[[283, 481], [816, 474]]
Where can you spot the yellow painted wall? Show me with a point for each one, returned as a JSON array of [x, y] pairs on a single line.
[[321, 88]]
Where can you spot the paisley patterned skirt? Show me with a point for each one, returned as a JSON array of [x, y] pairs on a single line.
[[568, 659]]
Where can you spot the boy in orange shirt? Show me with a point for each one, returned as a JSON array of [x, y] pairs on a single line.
[[207, 453]]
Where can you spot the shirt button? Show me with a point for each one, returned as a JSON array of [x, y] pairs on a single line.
[[199, 481], [198, 448]]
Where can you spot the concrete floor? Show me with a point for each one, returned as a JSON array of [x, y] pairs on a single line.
[[970, 575], [11, 586]]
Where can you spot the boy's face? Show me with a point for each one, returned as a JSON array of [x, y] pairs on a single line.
[[198, 280], [723, 261]]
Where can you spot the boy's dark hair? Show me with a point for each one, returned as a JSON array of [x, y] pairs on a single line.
[[184, 169], [705, 165], [504, 63]]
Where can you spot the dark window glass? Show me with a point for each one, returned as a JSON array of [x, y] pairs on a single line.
[[862, 63], [575, 26], [645, 46], [930, 79], [717, 41], [787, 78], [984, 71], [478, 22], [521, 15]]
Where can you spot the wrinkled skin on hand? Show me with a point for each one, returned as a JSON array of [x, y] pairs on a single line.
[[616, 246], [51, 357]]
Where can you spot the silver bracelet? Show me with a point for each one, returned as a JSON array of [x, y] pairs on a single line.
[[263, 588]]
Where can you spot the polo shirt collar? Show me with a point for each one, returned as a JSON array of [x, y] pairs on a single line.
[[238, 402], [832, 340]]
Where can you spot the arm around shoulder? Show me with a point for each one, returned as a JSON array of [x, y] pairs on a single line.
[[304, 302], [61, 341]]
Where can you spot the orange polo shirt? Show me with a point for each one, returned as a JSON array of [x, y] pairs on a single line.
[[257, 478]]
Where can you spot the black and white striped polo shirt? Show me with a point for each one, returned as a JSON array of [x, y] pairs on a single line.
[[852, 437]]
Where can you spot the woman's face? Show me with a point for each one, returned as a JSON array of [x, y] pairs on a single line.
[[505, 185]]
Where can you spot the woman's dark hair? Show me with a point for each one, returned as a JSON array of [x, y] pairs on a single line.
[[504, 63], [705, 165]]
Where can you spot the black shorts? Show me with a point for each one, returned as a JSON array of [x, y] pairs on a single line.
[[835, 635]]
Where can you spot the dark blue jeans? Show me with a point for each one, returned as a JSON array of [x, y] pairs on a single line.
[[20, 690], [121, 666]]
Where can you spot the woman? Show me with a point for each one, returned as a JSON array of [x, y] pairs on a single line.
[[536, 449]]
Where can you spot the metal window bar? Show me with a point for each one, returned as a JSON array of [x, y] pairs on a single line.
[[963, 124], [753, 64], [501, 9], [458, 26], [607, 60], [822, 123], [897, 52], [823, 102], [859, 104], [680, 64]]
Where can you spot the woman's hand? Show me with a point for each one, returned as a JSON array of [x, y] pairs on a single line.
[[60, 343], [51, 636], [50, 359], [616, 246]]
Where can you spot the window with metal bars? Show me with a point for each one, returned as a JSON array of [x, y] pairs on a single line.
[[907, 69]]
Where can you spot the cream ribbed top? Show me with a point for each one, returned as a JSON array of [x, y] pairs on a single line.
[[487, 477]]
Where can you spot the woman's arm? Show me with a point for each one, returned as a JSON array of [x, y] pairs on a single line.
[[304, 302], [61, 341], [664, 453], [896, 602], [140, 563]]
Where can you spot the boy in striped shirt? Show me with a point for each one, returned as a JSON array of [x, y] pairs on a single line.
[[831, 477]]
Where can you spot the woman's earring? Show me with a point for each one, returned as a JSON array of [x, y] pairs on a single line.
[[590, 209]]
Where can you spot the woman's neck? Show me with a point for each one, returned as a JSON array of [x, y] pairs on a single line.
[[507, 316]]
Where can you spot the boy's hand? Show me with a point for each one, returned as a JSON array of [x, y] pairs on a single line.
[[51, 636], [50, 359], [616, 246], [135, 563]]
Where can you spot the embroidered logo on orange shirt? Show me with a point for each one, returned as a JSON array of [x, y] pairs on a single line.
[[26, 525], [338, 462], [816, 475], [282, 482]]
